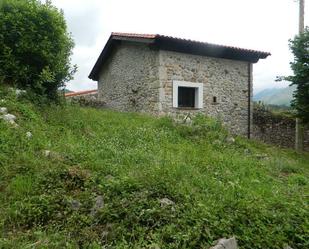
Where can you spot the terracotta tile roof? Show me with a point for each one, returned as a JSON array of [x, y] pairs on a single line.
[[153, 36], [80, 93], [180, 45], [134, 35]]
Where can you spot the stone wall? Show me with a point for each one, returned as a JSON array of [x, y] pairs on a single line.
[[90, 100], [138, 78], [276, 129], [227, 80], [129, 80]]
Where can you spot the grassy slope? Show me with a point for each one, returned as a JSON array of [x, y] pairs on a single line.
[[133, 161]]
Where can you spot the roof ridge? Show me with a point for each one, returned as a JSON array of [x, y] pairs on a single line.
[[71, 94], [179, 45], [213, 44], [153, 36], [137, 35]]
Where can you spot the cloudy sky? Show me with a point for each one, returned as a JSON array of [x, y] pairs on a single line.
[[265, 25]]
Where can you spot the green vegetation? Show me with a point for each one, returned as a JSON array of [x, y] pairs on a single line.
[[277, 112], [300, 66], [35, 47], [215, 188]]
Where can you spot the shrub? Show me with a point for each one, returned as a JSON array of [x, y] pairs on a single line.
[[35, 47]]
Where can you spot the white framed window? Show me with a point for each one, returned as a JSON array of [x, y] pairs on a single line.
[[187, 94]]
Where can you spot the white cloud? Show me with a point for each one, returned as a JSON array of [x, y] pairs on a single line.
[[83, 20], [258, 24]]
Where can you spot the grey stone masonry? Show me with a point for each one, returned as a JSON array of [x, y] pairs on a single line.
[[276, 129], [137, 77], [225, 80], [129, 81]]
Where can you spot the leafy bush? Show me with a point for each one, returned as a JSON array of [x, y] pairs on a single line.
[[35, 47]]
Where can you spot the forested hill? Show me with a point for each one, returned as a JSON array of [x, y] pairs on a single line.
[[275, 96]]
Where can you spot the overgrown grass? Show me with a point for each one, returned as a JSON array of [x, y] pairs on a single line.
[[244, 189]]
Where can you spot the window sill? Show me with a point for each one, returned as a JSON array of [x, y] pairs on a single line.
[[187, 108]]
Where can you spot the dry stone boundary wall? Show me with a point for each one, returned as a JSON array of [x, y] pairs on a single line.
[[276, 129]]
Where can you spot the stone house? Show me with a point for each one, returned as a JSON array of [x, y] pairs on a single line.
[[165, 75]]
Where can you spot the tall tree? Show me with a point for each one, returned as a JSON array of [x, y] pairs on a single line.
[[300, 66]]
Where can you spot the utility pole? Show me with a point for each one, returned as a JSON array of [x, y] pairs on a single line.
[[299, 128], [301, 16]]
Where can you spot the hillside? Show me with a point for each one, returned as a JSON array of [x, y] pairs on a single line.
[[276, 96], [87, 178]]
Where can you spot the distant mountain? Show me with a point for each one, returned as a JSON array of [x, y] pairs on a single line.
[[275, 96], [265, 93]]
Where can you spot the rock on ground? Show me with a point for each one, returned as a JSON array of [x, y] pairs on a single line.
[[166, 202], [287, 247], [226, 244], [20, 92], [3, 110], [75, 204], [99, 204], [9, 117], [46, 153]]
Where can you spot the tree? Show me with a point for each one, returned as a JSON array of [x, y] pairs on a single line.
[[300, 66], [35, 47]]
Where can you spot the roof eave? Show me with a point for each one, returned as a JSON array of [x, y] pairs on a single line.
[[177, 45], [207, 49], [95, 70]]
